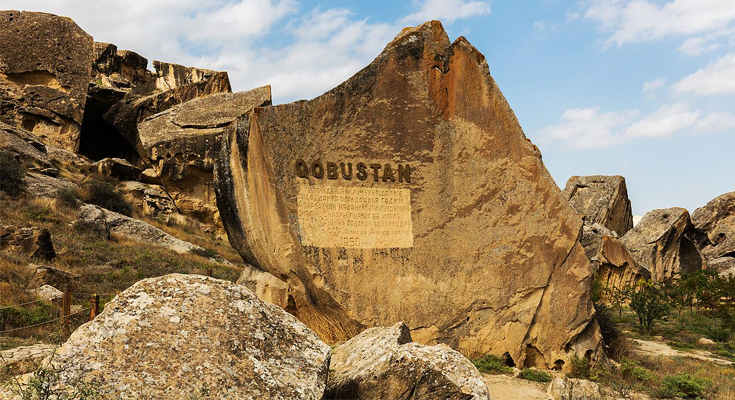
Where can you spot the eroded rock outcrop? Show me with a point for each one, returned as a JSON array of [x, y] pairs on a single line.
[[27, 148], [178, 335], [714, 226], [383, 363], [266, 286], [44, 275], [45, 64], [602, 200], [615, 267], [28, 240], [659, 244], [410, 193]]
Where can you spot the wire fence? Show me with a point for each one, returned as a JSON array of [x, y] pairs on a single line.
[[19, 305], [45, 322]]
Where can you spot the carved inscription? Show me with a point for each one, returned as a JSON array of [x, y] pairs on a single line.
[[357, 217]]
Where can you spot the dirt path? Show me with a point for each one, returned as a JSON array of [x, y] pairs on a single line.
[[662, 349], [505, 387]]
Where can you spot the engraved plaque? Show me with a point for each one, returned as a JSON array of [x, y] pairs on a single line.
[[357, 217]]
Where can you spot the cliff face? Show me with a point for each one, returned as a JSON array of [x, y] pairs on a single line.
[[410, 193]]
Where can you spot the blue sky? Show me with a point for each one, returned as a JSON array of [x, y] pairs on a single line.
[[639, 88]]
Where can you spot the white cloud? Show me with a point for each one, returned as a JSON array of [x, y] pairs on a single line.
[[543, 26], [716, 121], [715, 78], [663, 122], [586, 128], [647, 21], [446, 11], [650, 87], [697, 46]]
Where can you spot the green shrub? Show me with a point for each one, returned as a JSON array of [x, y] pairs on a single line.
[[580, 367], [535, 375], [650, 304], [633, 369], [68, 197], [684, 385], [492, 364], [103, 194], [16, 317], [12, 173], [206, 253], [616, 345]]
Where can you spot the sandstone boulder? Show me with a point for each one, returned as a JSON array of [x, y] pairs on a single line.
[[49, 293], [266, 286], [45, 65], [30, 240], [49, 276], [181, 144], [131, 228], [178, 335], [382, 363], [714, 226], [615, 267], [117, 168], [659, 244], [602, 200], [723, 265], [573, 389], [41, 185], [151, 199], [410, 193], [27, 148]]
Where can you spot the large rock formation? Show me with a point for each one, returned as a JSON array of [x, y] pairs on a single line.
[[602, 200], [27, 148], [615, 267], [714, 226], [33, 240], [659, 245], [266, 286], [181, 335], [410, 193], [45, 65], [182, 143], [382, 363]]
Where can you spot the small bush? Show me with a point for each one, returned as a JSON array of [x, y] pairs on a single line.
[[650, 304], [535, 375], [616, 344], [492, 364], [206, 253], [684, 385], [580, 367], [16, 317], [103, 194], [67, 197], [633, 369], [12, 173]]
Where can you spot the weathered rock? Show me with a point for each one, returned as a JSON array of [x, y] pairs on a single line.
[[151, 199], [58, 278], [266, 286], [69, 160], [49, 293], [573, 389], [172, 336], [602, 200], [131, 228], [614, 265], [182, 143], [714, 227], [382, 363], [658, 244], [125, 115], [26, 147], [121, 70], [473, 244], [706, 342], [41, 185], [118, 168], [45, 65], [32, 240], [721, 264]]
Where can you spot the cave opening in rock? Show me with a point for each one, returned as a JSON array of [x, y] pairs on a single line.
[[98, 138]]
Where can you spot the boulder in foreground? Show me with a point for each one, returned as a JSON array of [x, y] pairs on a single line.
[[177, 335], [382, 363]]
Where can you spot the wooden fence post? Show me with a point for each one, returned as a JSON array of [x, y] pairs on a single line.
[[67, 309], [209, 272], [94, 303]]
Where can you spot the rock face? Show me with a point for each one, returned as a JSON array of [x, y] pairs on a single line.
[[658, 244], [382, 363], [57, 278], [106, 222], [410, 193], [32, 240], [117, 168], [182, 143], [714, 226], [178, 335], [614, 265], [45, 65], [28, 149], [573, 389], [267, 287], [602, 200]]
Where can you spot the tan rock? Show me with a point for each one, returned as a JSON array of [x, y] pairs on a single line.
[[658, 244], [40, 185], [45, 65], [266, 286], [29, 240], [573, 389], [178, 335], [602, 200], [30, 151], [382, 363], [706, 342], [50, 276], [615, 267], [49, 293], [117, 168], [151, 199], [714, 226], [467, 239]]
